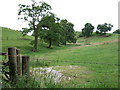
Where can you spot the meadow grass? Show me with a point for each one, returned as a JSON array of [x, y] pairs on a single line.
[[104, 74], [100, 60], [97, 39]]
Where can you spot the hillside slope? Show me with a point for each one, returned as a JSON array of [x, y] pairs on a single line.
[[96, 56], [13, 38]]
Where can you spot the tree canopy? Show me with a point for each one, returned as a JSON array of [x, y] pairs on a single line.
[[50, 32], [68, 32], [87, 30], [46, 26], [103, 28], [56, 31], [33, 14]]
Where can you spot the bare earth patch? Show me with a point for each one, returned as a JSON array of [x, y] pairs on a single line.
[[93, 44]]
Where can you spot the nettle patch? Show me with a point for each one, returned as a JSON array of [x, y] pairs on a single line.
[[62, 74]]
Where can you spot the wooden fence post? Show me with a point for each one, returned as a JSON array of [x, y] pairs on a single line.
[[25, 65], [12, 64], [18, 61]]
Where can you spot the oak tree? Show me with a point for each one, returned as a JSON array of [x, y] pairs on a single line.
[[33, 14], [50, 30]]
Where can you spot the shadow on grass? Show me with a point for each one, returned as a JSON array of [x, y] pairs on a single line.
[[27, 50]]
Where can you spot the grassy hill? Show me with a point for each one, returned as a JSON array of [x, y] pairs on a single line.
[[13, 38], [96, 59]]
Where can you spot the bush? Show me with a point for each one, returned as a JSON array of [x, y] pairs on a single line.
[[117, 31]]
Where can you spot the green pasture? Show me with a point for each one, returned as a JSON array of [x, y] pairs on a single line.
[[97, 64]]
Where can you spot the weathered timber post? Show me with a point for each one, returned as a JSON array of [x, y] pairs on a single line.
[[12, 64], [25, 65], [18, 61]]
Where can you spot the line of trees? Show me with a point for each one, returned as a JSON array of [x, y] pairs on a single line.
[[101, 29], [46, 25], [56, 31]]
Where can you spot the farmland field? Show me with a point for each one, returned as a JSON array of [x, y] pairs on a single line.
[[90, 63]]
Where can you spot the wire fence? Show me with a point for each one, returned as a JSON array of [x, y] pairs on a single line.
[[34, 58]]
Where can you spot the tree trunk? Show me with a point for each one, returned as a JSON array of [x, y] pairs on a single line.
[[35, 43], [58, 44], [65, 43], [35, 38], [50, 43]]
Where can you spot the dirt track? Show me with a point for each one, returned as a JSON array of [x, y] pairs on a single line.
[[93, 44]]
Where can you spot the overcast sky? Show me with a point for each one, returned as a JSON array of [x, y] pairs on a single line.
[[78, 12]]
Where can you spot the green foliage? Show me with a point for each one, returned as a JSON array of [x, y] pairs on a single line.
[[51, 29], [68, 33], [117, 31], [32, 14], [45, 25], [54, 32], [87, 30], [103, 28], [78, 34]]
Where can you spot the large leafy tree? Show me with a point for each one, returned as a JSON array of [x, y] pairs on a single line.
[[33, 14], [68, 32], [50, 30], [103, 28], [87, 30]]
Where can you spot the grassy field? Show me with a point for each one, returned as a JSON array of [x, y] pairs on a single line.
[[97, 39], [93, 65], [12, 38]]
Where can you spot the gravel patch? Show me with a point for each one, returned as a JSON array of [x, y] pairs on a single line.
[[57, 76], [60, 73]]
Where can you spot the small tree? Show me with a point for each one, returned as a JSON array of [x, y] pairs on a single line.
[[103, 28], [33, 14], [50, 30], [71, 33], [68, 32], [63, 24], [87, 30], [117, 31]]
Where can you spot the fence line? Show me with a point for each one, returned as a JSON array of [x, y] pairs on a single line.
[[57, 60], [13, 63]]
